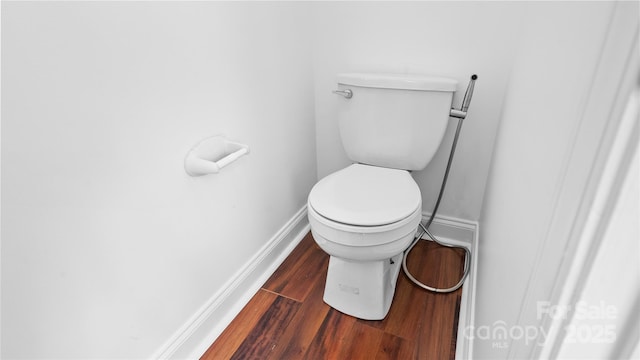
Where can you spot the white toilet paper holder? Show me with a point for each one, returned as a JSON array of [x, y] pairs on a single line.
[[212, 154]]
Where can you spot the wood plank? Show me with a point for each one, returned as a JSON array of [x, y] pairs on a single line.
[[332, 338], [231, 338], [439, 267], [280, 277], [454, 330], [364, 344], [393, 348], [304, 327], [267, 333], [451, 266], [434, 341], [295, 279], [436, 266]]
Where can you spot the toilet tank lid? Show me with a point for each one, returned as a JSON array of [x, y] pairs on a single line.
[[398, 81]]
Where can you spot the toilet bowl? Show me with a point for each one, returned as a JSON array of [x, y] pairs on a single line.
[[364, 217]]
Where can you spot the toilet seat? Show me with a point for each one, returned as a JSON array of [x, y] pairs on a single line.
[[364, 195], [365, 206], [349, 241]]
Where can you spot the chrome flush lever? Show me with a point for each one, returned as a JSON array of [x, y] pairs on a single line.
[[462, 112], [348, 94]]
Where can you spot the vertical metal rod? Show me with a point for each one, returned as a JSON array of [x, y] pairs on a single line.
[[446, 173]]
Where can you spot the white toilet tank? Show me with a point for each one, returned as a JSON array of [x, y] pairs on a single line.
[[394, 121]]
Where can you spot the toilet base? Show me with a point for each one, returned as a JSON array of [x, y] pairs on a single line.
[[363, 289]]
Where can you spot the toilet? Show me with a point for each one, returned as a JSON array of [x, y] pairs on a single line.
[[365, 215]]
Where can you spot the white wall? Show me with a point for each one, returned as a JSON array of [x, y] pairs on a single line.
[[440, 38], [108, 247], [605, 317], [559, 104]]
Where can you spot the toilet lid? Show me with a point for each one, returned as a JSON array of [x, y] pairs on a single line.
[[364, 195]]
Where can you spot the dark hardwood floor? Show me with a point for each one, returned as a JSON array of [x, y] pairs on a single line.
[[287, 318]]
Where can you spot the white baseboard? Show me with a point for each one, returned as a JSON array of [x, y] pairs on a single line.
[[460, 232], [200, 331]]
